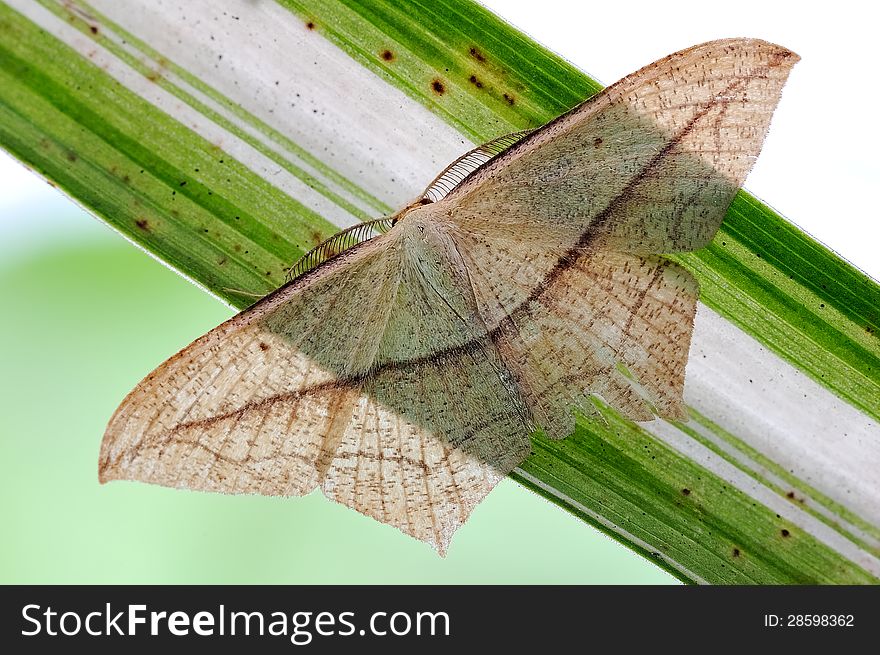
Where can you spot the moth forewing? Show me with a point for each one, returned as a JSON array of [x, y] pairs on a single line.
[[648, 165], [563, 228]]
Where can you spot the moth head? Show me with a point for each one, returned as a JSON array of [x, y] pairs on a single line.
[[413, 206]]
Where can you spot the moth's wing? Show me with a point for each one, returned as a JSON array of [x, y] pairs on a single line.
[[440, 421], [356, 377], [246, 408], [436, 429], [648, 166], [615, 325], [562, 229]]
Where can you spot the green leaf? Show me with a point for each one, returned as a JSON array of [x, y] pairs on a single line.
[[228, 156]]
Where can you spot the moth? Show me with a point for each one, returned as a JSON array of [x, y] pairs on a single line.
[[405, 365]]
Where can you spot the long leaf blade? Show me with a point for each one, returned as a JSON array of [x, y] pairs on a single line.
[[199, 187]]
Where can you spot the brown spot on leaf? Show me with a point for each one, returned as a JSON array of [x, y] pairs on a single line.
[[221, 262], [438, 88], [597, 142], [785, 533], [71, 156], [686, 491], [154, 76], [736, 552], [264, 346], [143, 224], [93, 29], [236, 247], [387, 55], [509, 99], [476, 54], [310, 25], [476, 81]]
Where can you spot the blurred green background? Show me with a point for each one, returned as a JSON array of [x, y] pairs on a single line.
[[86, 316]]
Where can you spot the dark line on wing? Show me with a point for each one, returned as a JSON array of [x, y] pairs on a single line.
[[248, 459], [351, 382], [588, 236], [566, 261]]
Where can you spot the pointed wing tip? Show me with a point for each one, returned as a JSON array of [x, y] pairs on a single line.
[[441, 539], [441, 548], [107, 472], [791, 57], [787, 56]]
